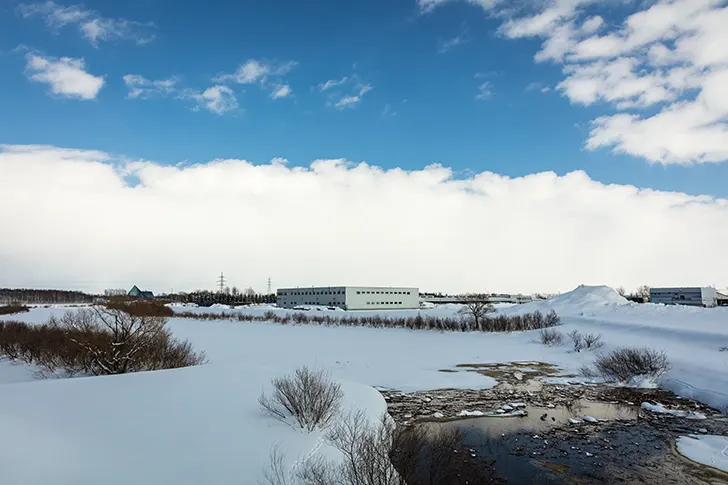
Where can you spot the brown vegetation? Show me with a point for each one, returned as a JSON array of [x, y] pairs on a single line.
[[96, 341], [498, 323], [12, 309]]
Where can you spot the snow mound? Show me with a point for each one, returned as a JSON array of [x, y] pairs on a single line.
[[579, 301]]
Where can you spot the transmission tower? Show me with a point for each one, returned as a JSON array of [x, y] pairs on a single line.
[[221, 282], [269, 286]]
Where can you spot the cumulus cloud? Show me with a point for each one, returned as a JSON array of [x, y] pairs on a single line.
[[217, 99], [658, 66], [66, 76], [92, 25], [336, 222]]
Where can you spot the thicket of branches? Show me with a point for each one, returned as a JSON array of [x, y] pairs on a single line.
[[496, 323], [381, 454], [96, 341], [26, 295]]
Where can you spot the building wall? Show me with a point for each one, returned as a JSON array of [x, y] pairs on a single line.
[[350, 297], [684, 296], [321, 296], [381, 298]]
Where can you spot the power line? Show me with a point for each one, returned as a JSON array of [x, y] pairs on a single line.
[[221, 282]]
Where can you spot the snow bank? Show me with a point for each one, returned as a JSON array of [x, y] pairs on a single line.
[[706, 449], [184, 426]]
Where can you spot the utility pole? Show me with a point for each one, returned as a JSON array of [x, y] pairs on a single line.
[[221, 282], [269, 286]]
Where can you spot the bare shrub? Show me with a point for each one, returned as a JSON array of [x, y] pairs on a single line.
[[625, 363], [723, 349], [310, 397], [98, 341], [589, 341], [592, 341], [13, 309], [549, 336], [577, 340]]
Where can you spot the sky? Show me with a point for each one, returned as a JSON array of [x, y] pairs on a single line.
[[454, 145]]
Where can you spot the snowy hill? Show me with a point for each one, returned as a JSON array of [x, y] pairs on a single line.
[[582, 299]]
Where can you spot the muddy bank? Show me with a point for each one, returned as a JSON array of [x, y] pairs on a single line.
[[565, 430]]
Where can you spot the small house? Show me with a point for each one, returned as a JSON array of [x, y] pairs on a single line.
[[135, 292]]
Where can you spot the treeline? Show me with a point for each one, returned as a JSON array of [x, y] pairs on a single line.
[[497, 323], [10, 296], [229, 297]]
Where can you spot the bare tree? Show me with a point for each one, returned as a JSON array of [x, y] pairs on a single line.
[[310, 397], [644, 292], [621, 291], [476, 306], [115, 292]]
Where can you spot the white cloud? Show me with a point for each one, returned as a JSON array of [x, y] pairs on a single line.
[[66, 76], [217, 99], [537, 86], [352, 100], [429, 5], [586, 232], [445, 45], [281, 91], [91, 24], [388, 111], [346, 92], [485, 91], [665, 55], [332, 83], [141, 87], [257, 72]]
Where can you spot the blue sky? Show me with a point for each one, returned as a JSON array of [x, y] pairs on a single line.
[[422, 107]]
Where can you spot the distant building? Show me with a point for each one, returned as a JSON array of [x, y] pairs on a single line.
[[350, 297], [692, 296], [723, 298], [135, 292]]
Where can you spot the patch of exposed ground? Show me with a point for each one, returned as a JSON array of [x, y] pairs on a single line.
[[574, 432]]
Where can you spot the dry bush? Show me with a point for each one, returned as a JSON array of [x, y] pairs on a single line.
[[97, 341], [310, 397], [723, 349], [12, 309], [549, 336], [625, 363]]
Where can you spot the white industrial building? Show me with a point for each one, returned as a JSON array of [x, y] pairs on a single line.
[[695, 296], [350, 297]]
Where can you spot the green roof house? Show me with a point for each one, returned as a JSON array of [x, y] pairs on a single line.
[[135, 292]]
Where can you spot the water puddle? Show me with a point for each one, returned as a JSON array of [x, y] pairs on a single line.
[[534, 419]]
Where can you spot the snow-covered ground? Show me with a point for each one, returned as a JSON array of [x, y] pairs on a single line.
[[204, 425]]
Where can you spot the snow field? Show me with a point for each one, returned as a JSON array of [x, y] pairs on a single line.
[[204, 425]]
